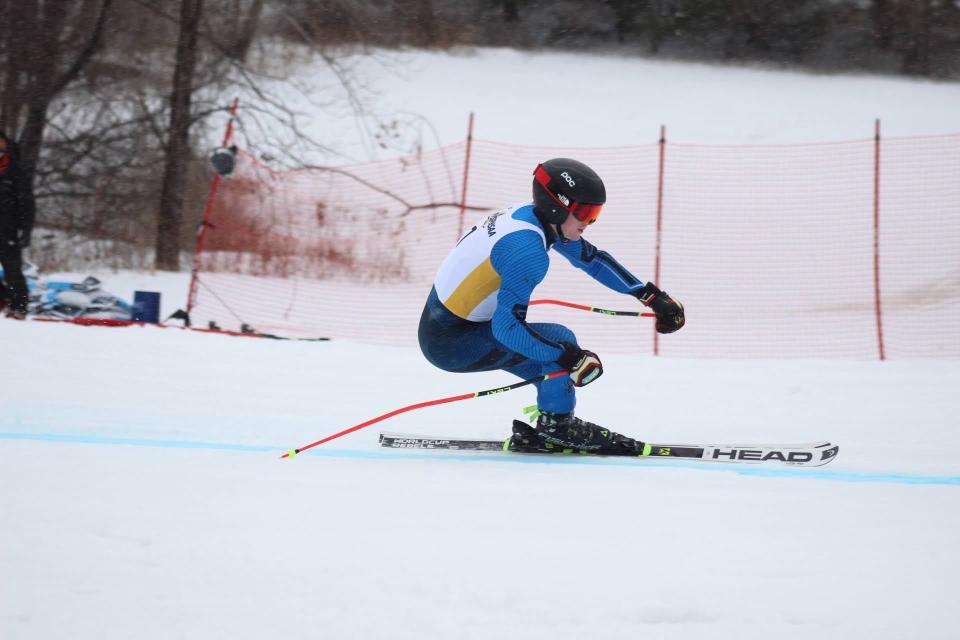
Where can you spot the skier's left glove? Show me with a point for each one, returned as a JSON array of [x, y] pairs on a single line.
[[584, 366], [669, 312]]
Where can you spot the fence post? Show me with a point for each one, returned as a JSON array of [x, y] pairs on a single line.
[[205, 222], [876, 236], [466, 173], [656, 264]]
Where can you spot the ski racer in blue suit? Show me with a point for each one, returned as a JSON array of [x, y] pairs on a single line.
[[475, 315]]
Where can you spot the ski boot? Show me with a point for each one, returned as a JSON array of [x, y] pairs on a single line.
[[525, 440], [16, 313], [565, 433]]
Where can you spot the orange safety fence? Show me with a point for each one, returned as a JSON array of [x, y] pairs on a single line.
[[833, 250]]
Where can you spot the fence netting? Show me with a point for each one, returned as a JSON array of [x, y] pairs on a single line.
[[770, 248]]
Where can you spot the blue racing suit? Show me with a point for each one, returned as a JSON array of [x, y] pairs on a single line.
[[475, 315]]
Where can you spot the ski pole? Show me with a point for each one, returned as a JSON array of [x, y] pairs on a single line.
[[583, 307], [429, 403]]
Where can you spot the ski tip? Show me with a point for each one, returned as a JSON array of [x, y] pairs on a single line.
[[289, 454]]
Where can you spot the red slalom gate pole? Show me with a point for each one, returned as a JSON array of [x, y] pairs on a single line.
[[876, 237], [420, 405], [207, 210], [656, 264], [606, 312]]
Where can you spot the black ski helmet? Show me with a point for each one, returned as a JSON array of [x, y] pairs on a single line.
[[562, 186]]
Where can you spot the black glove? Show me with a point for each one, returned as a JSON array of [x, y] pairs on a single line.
[[23, 238], [669, 312], [584, 366]]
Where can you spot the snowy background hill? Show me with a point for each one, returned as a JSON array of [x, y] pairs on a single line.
[[569, 100], [141, 494]]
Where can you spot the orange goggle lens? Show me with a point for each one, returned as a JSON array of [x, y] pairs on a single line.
[[586, 212]]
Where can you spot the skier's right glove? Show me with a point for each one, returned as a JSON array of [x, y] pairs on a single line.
[[584, 366], [669, 312]]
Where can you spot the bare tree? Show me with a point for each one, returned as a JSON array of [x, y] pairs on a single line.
[[510, 10], [46, 46], [883, 23], [915, 44], [242, 23], [207, 60], [170, 214]]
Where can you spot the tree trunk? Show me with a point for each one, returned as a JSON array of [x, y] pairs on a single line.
[[415, 18], [42, 60], [510, 11], [625, 17], [426, 26], [170, 214], [18, 18], [883, 21], [916, 49], [247, 26]]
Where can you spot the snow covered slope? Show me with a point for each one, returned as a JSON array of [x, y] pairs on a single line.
[[142, 496], [518, 98]]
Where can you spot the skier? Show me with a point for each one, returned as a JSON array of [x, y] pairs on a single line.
[[16, 223], [475, 316]]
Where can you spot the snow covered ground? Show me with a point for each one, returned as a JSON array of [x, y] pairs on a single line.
[[141, 494], [142, 497], [576, 100]]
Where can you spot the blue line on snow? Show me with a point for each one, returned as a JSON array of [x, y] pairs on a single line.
[[393, 454]]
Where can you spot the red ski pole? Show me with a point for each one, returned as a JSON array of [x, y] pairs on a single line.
[[583, 307], [429, 403]]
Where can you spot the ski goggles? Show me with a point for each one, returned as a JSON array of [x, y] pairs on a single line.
[[582, 211]]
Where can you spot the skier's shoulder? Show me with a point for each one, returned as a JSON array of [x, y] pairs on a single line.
[[524, 213], [516, 224], [522, 248], [511, 222]]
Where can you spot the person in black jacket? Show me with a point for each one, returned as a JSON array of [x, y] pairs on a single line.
[[16, 224]]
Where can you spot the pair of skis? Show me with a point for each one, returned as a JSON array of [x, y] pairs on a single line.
[[812, 454]]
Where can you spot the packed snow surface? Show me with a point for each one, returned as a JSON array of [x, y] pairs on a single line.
[[143, 496]]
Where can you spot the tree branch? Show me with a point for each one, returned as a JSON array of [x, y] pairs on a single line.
[[85, 54]]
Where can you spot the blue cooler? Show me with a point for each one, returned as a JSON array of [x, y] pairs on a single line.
[[146, 306]]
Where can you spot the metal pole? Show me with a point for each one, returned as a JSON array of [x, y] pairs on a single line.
[[656, 266], [466, 174], [876, 237], [207, 210]]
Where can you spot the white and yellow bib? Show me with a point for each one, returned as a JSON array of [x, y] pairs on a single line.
[[466, 283]]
